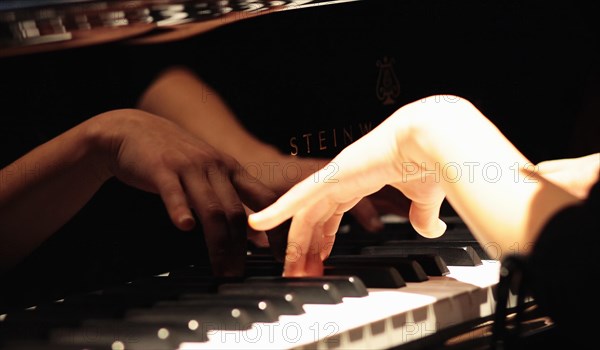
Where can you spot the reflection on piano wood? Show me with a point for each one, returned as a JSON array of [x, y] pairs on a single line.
[[393, 299], [55, 25]]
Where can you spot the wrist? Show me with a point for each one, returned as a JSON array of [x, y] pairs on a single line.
[[101, 137], [426, 128], [590, 173]]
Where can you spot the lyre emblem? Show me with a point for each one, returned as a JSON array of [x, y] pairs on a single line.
[[388, 87]]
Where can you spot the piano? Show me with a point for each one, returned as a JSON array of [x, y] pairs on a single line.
[[402, 300], [309, 77]]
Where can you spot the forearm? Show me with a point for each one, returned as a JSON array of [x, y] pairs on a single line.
[[42, 190], [492, 186]]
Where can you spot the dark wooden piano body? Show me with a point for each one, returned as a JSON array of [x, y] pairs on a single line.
[[294, 77]]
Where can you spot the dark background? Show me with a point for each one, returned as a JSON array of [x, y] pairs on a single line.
[[530, 67]]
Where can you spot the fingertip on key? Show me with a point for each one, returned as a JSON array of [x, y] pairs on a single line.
[[437, 231]]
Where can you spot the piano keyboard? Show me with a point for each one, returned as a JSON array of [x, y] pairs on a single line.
[[390, 300], [383, 319]]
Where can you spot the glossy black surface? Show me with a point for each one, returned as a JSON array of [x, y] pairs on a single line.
[[29, 26]]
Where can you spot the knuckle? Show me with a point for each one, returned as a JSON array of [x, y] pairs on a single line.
[[171, 190], [206, 153], [215, 211], [185, 164], [308, 221], [174, 159], [270, 196], [229, 162], [221, 164], [236, 212], [199, 153]]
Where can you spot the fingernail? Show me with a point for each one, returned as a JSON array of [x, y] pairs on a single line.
[[187, 222]]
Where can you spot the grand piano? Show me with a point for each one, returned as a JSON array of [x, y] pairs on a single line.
[[309, 77]]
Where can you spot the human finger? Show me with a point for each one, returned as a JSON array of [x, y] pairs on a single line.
[[212, 217], [257, 196], [390, 200], [301, 195], [367, 215], [424, 218], [330, 229], [174, 198], [332, 225], [258, 238], [305, 240], [235, 214]]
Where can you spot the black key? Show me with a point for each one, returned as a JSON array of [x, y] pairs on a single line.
[[264, 270], [185, 280], [453, 255], [433, 264], [348, 286], [148, 291], [38, 323], [459, 240], [259, 310], [289, 303], [263, 263], [209, 318], [253, 249], [110, 301], [456, 234], [306, 292], [351, 243], [51, 316], [280, 305], [371, 276], [151, 294], [409, 269], [192, 271], [29, 344], [127, 335], [31, 328], [175, 284]]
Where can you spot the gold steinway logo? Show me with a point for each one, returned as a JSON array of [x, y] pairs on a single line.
[[388, 87], [327, 139]]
